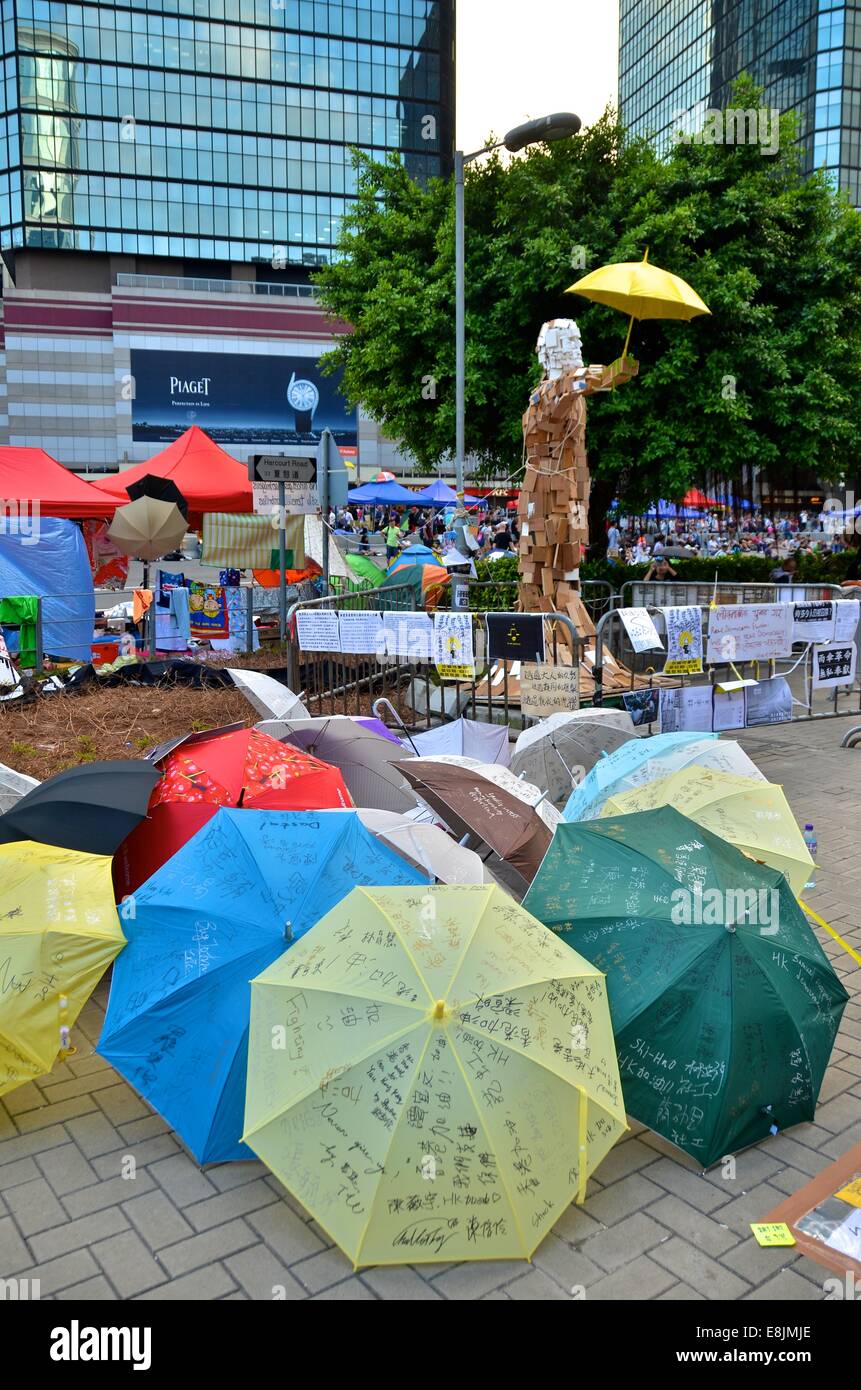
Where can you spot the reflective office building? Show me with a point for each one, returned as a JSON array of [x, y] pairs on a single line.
[[217, 130], [678, 58]]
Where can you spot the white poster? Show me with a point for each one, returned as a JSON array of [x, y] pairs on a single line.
[[847, 612], [318, 630], [362, 632], [684, 641], [834, 664], [408, 635], [729, 710], [452, 640], [769, 702], [813, 621], [687, 709], [640, 629], [749, 632]]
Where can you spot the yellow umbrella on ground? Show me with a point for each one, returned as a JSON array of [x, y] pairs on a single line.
[[432, 1073], [640, 290], [59, 931], [148, 528], [754, 816]]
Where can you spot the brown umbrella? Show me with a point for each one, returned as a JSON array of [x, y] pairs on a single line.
[[474, 805], [148, 528]]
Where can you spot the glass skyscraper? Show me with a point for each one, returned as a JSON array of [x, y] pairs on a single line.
[[212, 130], [679, 55]]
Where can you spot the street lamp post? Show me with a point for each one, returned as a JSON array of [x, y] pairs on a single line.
[[546, 128]]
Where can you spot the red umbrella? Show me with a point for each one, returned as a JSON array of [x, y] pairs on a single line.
[[695, 498], [241, 767]]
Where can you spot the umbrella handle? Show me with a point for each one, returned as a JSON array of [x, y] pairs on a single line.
[[628, 337]]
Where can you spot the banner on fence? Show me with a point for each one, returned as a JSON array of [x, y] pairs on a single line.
[[453, 653], [515, 637], [548, 689], [686, 709], [834, 663], [749, 632], [684, 641], [769, 702]]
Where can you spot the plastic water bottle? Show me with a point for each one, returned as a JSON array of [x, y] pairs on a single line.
[[810, 841]]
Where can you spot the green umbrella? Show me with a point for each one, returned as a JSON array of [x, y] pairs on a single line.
[[724, 1005]]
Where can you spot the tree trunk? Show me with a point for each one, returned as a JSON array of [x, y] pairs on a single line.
[[601, 494]]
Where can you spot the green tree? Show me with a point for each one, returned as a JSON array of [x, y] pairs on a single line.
[[767, 381]]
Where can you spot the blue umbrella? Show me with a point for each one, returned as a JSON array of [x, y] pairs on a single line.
[[211, 918], [669, 751]]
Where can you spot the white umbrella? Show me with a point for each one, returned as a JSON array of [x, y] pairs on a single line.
[[270, 698], [426, 846], [557, 753], [467, 738]]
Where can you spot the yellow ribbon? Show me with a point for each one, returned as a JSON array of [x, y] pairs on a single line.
[[820, 921]]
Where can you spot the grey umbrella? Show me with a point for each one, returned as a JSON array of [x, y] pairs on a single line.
[[365, 758], [557, 753]]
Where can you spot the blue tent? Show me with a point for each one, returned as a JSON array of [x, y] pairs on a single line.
[[212, 917], [390, 494], [46, 555], [439, 494]]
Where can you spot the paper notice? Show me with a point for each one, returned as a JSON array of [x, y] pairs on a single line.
[[684, 641], [641, 630], [318, 630], [362, 632], [749, 632]]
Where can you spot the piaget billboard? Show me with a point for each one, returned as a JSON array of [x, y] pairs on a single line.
[[238, 398]]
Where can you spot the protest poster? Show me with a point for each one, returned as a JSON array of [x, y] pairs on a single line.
[[813, 621], [728, 709], [749, 632], [318, 630], [769, 702], [515, 637], [686, 709], [834, 664], [408, 635], [642, 705], [361, 632], [548, 689], [642, 633], [847, 612], [684, 641], [452, 646]]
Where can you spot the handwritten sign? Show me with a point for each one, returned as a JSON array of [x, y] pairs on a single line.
[[749, 632], [813, 621], [642, 633], [769, 702], [362, 633], [772, 1233], [452, 646], [687, 710], [318, 630], [684, 641], [548, 689], [834, 664]]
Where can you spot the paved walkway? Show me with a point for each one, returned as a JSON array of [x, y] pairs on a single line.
[[99, 1200]]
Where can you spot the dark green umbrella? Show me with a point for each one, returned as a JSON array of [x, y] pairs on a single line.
[[91, 808], [724, 1005]]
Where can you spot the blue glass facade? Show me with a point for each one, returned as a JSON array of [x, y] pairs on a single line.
[[681, 55], [217, 130]]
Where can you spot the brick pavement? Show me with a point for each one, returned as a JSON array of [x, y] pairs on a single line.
[[98, 1199]]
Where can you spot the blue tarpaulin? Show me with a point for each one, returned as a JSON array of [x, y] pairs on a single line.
[[46, 555]]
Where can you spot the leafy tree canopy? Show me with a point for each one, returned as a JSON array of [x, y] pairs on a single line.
[[769, 380]]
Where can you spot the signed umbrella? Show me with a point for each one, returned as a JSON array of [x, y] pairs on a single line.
[[557, 752], [450, 1080]]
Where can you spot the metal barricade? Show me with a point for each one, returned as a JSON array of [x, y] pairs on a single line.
[[639, 593], [337, 679], [598, 597]]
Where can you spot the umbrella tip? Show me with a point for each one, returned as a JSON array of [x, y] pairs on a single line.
[[439, 1009]]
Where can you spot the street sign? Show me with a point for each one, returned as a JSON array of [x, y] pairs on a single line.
[[280, 468]]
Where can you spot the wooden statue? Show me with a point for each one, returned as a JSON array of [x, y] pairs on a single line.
[[554, 500]]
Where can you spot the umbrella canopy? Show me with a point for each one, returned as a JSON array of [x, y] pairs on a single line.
[[209, 478], [472, 804], [147, 528], [14, 785], [642, 291], [383, 476], [557, 752], [427, 847], [177, 1019], [439, 494], [30, 477], [162, 489], [386, 494], [724, 1005], [643, 759], [502, 777], [90, 808], [59, 931], [235, 767], [365, 758], [485, 1066], [271, 698], [695, 498], [488, 743], [754, 816]]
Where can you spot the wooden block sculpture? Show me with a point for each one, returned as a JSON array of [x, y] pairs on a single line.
[[554, 500]]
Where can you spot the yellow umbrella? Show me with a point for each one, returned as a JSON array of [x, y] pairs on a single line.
[[641, 290], [432, 1073], [148, 528], [754, 816], [59, 931]]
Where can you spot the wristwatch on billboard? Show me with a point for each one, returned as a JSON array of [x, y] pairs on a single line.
[[304, 398]]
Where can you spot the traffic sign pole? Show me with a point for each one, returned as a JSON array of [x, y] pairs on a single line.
[[282, 564]]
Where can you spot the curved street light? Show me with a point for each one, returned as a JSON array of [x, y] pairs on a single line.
[[559, 126]]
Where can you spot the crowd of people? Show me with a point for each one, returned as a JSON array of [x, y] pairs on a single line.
[[496, 530], [784, 538]]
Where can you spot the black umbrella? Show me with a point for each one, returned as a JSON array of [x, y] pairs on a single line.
[[162, 489], [90, 808]]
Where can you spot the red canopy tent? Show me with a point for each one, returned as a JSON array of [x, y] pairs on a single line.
[[695, 498], [30, 477], [209, 478]]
